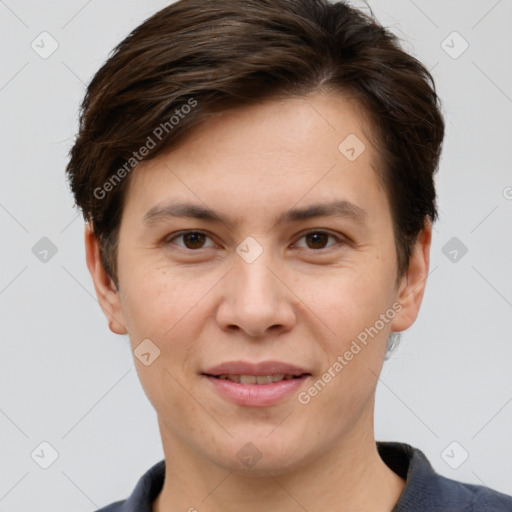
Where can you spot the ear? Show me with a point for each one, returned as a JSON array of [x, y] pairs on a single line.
[[412, 285], [108, 295]]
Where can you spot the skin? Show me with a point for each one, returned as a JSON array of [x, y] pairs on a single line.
[[302, 301]]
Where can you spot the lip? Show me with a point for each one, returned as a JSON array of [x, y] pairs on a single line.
[[248, 368], [256, 395]]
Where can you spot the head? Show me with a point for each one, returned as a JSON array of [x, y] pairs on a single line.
[[252, 108]]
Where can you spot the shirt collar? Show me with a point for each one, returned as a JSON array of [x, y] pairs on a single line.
[[406, 461], [412, 465]]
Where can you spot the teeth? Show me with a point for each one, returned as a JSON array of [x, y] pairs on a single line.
[[256, 379]]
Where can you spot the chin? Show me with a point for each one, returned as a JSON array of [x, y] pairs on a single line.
[[260, 456]]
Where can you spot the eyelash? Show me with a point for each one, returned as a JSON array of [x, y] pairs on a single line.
[[181, 234]]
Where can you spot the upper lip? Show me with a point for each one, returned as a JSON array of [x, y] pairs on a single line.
[[261, 368]]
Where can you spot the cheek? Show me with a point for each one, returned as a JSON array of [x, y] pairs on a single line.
[[354, 301], [158, 302], [354, 352], [170, 307], [163, 307], [358, 308]]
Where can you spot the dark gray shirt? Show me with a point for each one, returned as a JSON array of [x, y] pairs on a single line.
[[425, 490]]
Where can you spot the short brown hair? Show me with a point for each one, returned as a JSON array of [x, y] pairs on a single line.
[[211, 55]]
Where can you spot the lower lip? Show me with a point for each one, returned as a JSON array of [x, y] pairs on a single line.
[[257, 395]]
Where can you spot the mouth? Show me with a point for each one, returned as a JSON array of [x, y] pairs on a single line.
[[257, 379], [265, 372], [256, 384]]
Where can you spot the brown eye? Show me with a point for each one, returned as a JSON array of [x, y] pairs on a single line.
[[194, 240], [191, 239], [318, 239]]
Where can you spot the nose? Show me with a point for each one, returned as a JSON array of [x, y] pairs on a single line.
[[256, 299]]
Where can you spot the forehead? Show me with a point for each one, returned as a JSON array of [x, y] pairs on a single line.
[[282, 151]]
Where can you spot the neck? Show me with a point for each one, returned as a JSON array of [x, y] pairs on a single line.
[[350, 476]]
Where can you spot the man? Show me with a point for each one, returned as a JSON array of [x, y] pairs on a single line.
[[257, 181]]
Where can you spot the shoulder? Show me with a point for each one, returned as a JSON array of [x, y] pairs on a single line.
[[144, 493], [429, 491], [471, 497], [477, 498], [117, 506]]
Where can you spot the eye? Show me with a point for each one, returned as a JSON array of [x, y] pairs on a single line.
[[194, 240], [318, 239], [191, 239]]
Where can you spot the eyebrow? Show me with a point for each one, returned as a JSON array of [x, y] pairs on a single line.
[[337, 208]]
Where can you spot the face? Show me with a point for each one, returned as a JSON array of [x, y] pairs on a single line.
[[249, 269]]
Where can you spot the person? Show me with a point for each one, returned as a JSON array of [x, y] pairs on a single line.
[[257, 181]]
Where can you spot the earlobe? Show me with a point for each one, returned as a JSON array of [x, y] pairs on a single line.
[[106, 292], [413, 283]]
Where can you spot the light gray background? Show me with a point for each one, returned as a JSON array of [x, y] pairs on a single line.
[[67, 380]]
